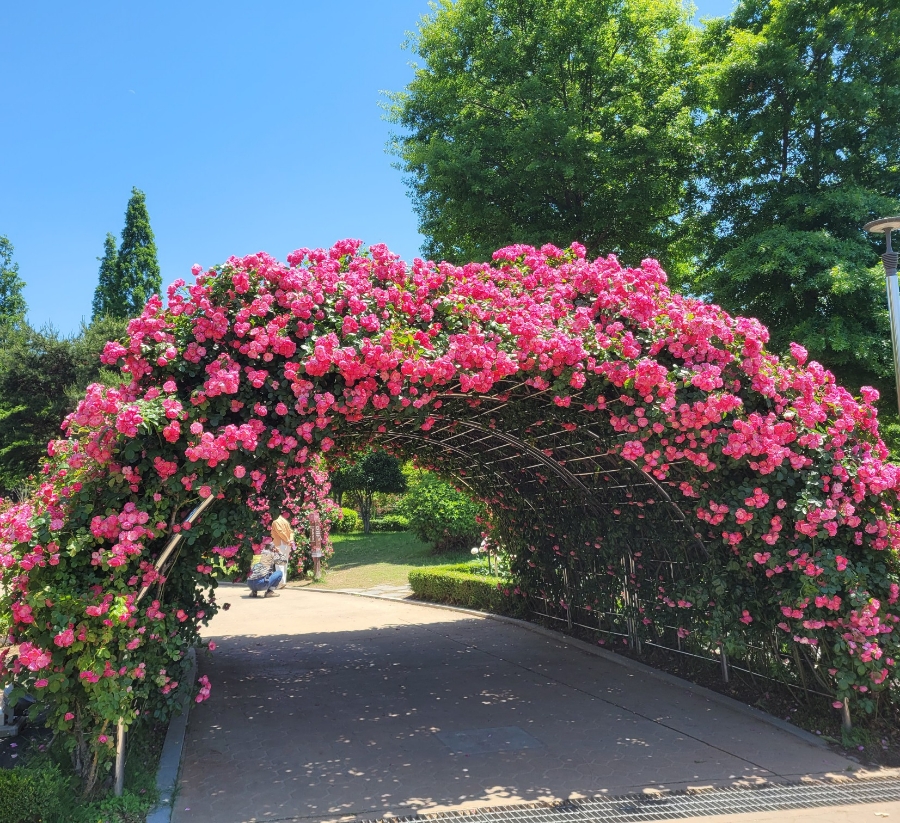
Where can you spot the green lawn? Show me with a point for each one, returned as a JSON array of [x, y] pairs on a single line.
[[361, 561]]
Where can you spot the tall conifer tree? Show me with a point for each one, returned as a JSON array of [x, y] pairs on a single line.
[[137, 255], [129, 278], [12, 301], [108, 296]]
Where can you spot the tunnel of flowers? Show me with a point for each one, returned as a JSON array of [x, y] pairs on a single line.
[[641, 455]]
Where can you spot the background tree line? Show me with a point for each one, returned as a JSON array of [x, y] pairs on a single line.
[[391, 496], [43, 374], [744, 152]]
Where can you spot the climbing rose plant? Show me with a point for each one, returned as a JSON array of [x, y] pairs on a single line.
[[248, 374]]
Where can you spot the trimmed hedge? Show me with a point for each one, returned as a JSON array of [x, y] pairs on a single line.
[[389, 523], [33, 795], [458, 586]]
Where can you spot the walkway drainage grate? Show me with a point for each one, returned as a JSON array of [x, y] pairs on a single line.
[[675, 806]]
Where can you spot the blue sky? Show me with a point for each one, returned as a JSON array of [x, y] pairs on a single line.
[[249, 126]]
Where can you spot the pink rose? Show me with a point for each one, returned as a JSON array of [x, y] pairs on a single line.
[[65, 638], [799, 353]]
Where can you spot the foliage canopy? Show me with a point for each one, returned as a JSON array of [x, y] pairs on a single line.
[[43, 375], [801, 150], [550, 120], [12, 301], [441, 515]]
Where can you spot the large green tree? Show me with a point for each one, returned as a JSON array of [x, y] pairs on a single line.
[[374, 473], [129, 277], [12, 301], [550, 121], [802, 148], [42, 377]]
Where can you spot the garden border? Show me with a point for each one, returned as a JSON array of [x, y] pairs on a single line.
[[620, 660], [173, 751]]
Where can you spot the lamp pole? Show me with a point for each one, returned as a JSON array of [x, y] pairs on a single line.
[[889, 259]]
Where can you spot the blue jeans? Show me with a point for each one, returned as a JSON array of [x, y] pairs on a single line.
[[265, 583]]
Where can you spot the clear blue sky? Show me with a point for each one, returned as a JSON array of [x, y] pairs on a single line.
[[250, 126]]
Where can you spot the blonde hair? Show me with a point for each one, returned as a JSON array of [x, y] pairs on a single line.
[[281, 530]]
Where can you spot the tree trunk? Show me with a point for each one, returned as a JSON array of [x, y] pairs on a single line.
[[84, 764], [365, 510], [363, 502]]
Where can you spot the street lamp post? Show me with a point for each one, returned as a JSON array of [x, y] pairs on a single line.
[[889, 259]]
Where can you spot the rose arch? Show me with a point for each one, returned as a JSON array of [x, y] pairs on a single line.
[[640, 453]]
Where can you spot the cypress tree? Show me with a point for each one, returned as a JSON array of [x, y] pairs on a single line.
[[128, 278], [12, 301], [108, 296], [138, 269]]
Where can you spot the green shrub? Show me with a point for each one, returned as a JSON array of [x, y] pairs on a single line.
[[350, 522], [458, 586], [33, 794], [389, 523], [440, 514]]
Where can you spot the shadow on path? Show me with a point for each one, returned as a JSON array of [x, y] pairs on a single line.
[[331, 706]]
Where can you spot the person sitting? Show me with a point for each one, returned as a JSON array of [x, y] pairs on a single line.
[[264, 577]]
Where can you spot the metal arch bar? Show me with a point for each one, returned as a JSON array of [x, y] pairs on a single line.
[[653, 481], [553, 465], [564, 474], [404, 436], [176, 539], [487, 471], [439, 444]]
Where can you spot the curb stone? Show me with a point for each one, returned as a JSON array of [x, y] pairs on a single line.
[[619, 660], [173, 748]]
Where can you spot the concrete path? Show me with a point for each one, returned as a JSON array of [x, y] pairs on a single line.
[[329, 706], [385, 590]]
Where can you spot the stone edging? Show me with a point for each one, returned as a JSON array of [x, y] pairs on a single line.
[[173, 748], [612, 657]]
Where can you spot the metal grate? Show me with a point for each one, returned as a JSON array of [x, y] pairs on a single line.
[[677, 805]]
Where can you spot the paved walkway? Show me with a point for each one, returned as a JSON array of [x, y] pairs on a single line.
[[329, 706], [385, 590]]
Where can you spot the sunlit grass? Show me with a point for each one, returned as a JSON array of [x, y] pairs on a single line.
[[361, 561]]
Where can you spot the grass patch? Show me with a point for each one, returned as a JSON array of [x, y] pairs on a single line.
[[361, 561]]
